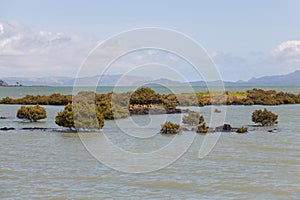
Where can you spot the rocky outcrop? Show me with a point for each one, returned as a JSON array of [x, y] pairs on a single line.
[[228, 128], [7, 129]]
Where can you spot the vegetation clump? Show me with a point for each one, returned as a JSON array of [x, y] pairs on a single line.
[[192, 118], [201, 128], [112, 111], [145, 96], [170, 128], [80, 116], [32, 113], [264, 117], [65, 118], [242, 130]]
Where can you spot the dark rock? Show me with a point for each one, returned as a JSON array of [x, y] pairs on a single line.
[[7, 129], [34, 128], [224, 128], [1, 117], [217, 111], [273, 130], [228, 128]]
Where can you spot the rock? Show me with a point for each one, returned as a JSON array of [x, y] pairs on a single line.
[[224, 128], [34, 128], [217, 111], [7, 129], [273, 130]]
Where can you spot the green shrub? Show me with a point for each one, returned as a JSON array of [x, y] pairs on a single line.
[[170, 128], [65, 118], [114, 111], [202, 128], [6, 100], [242, 130], [145, 96], [32, 113], [192, 118], [80, 115], [264, 117]]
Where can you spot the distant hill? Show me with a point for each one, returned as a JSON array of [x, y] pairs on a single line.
[[291, 79], [106, 80]]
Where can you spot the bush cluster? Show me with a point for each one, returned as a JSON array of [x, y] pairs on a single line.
[[32, 113], [271, 97], [242, 130], [202, 128], [147, 96], [170, 128], [80, 116], [264, 117], [54, 99], [194, 118]]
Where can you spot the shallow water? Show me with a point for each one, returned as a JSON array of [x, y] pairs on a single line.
[[257, 165], [16, 92]]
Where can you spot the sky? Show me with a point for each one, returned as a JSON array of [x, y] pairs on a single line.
[[244, 38]]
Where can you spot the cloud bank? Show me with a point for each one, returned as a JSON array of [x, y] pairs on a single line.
[[283, 59], [288, 51], [30, 53], [26, 52]]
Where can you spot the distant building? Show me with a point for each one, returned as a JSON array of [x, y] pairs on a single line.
[[3, 83]]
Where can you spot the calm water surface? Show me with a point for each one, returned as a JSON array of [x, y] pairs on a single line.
[[55, 165], [15, 92]]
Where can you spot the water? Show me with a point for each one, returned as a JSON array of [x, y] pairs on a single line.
[[16, 92], [257, 165]]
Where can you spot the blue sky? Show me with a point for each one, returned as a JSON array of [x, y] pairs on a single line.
[[245, 38]]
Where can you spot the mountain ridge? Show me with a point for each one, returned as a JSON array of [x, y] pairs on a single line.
[[290, 79]]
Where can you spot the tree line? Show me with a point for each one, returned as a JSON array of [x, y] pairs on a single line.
[[146, 96]]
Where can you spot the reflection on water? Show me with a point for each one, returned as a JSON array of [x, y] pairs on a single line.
[[257, 165]]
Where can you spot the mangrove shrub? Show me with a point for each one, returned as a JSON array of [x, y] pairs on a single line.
[[32, 113], [170, 128], [80, 116], [192, 118], [264, 117]]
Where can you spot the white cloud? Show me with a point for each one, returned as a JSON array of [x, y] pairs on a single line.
[[28, 52], [1, 29], [25, 52], [287, 51], [284, 59]]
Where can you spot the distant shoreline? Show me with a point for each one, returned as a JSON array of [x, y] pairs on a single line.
[[250, 97]]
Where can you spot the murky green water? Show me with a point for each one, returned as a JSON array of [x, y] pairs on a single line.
[[55, 165], [16, 92]]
